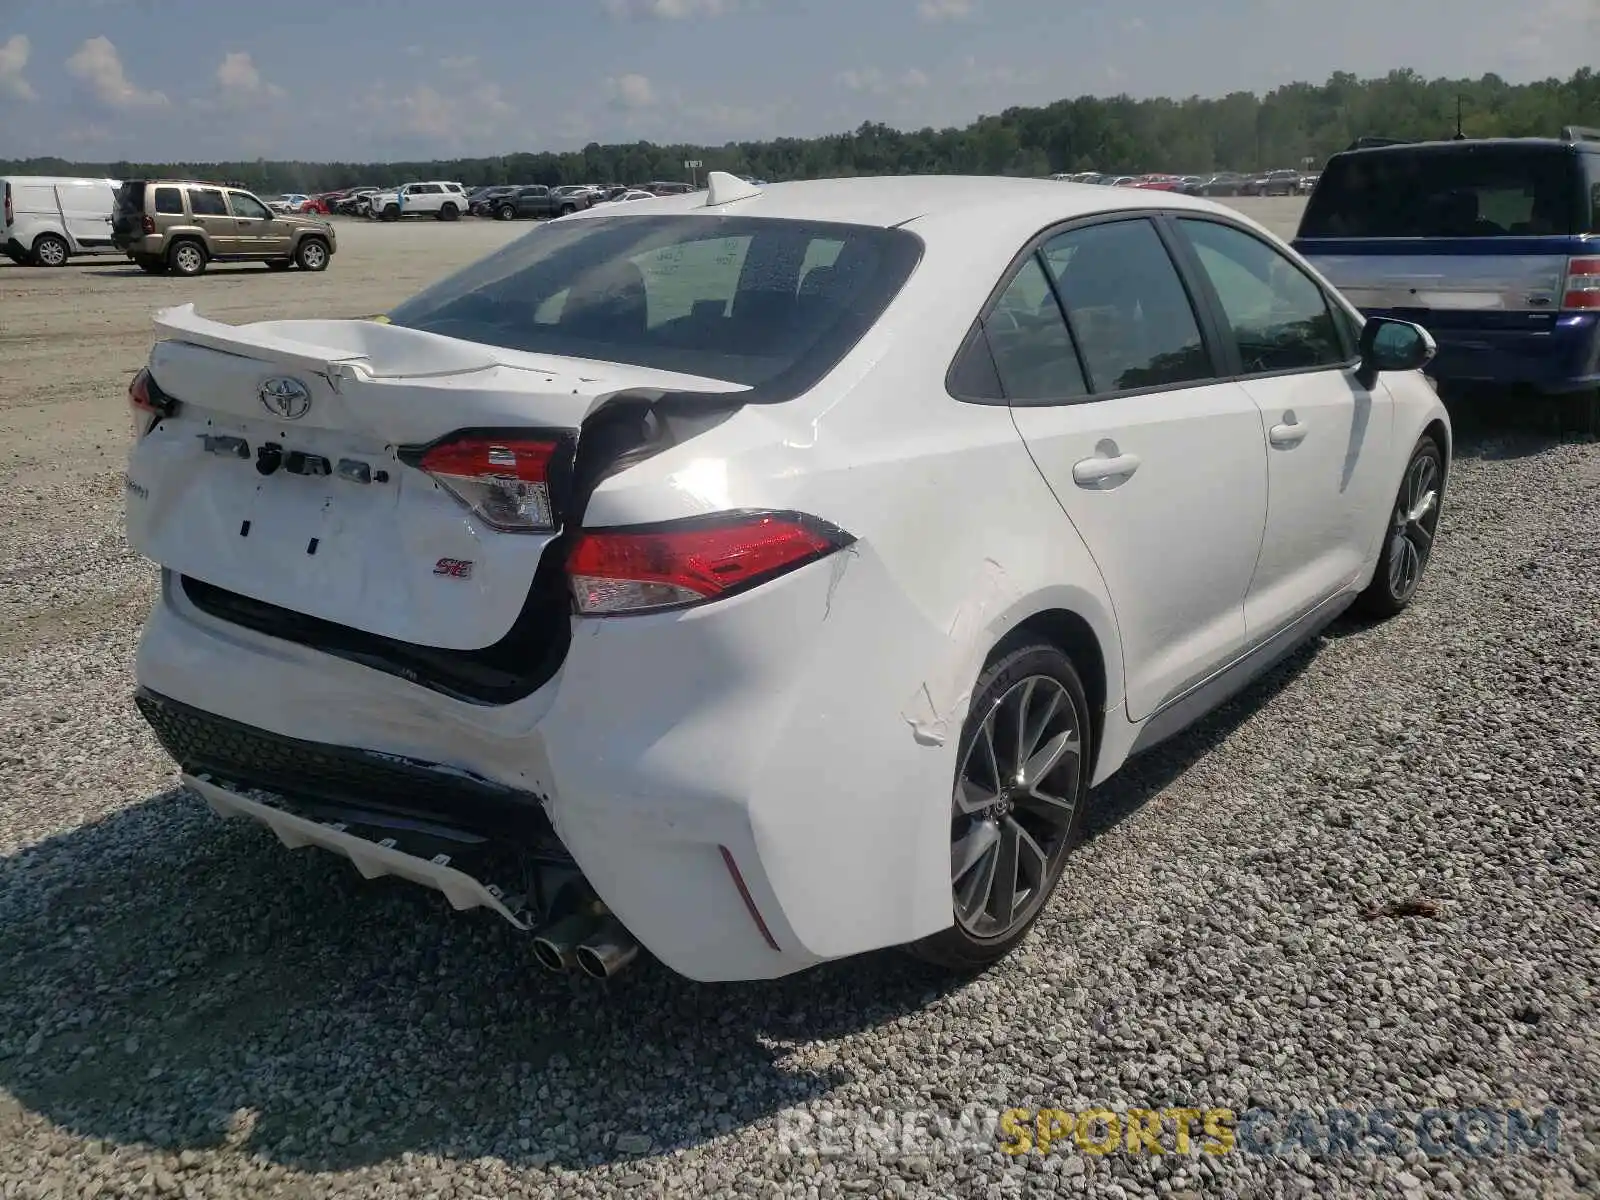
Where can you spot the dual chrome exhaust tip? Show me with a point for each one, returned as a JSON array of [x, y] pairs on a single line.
[[593, 942]]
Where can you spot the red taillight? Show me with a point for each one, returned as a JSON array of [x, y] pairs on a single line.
[[148, 403], [1582, 289], [505, 481], [644, 569]]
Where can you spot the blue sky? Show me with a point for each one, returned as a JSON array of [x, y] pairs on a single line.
[[384, 79]]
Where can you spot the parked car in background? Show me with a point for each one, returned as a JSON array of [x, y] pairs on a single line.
[[667, 188], [442, 200], [48, 219], [639, 501], [538, 201], [1491, 245], [480, 201], [355, 201], [288, 202], [1274, 183], [1223, 183], [183, 226]]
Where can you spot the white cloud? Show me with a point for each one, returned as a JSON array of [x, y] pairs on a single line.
[[14, 54], [1551, 30], [458, 120], [238, 76], [945, 10], [97, 66], [668, 10], [632, 92], [880, 83]]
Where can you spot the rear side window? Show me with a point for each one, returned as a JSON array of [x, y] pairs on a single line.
[[206, 202], [748, 300], [169, 201], [1446, 192], [1128, 307], [1033, 351]]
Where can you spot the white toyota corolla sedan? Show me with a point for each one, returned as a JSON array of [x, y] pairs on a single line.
[[765, 575]]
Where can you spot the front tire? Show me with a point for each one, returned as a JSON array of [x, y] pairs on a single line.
[[1409, 537], [505, 212], [1018, 804], [50, 251], [312, 255]]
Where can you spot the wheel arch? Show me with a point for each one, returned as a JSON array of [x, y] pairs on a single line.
[[1072, 634], [1439, 430]]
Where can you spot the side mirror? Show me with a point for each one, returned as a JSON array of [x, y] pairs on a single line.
[[1390, 345]]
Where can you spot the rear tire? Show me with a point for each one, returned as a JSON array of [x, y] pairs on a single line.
[[449, 213], [1019, 798], [312, 254], [1409, 536], [187, 258], [50, 251], [567, 209]]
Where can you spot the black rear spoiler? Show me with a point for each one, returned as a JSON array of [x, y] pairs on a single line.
[[1370, 143], [1579, 133]]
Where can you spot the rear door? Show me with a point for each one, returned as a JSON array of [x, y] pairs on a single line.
[[209, 208], [1159, 465], [86, 211], [1328, 439], [1469, 241]]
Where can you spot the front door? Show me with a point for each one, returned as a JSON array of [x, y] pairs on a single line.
[[1158, 463], [1325, 434], [260, 234]]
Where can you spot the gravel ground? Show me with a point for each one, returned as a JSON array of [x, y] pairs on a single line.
[[1372, 882]]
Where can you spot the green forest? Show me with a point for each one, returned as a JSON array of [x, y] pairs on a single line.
[[1241, 131]]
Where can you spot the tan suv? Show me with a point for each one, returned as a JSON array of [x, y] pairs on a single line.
[[181, 226]]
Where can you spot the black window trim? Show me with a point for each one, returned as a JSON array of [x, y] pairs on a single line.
[[1034, 248], [1216, 332], [1186, 252]]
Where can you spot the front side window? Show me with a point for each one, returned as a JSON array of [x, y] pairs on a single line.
[[1127, 305], [207, 202], [1279, 317], [740, 299], [247, 206]]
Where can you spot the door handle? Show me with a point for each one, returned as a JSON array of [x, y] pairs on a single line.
[[1287, 435], [1088, 472]]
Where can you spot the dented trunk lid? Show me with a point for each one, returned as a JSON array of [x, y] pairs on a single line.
[[374, 544]]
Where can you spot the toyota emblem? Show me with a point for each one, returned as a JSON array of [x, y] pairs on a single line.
[[286, 398]]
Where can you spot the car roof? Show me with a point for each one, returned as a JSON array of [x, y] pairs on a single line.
[[891, 200], [1443, 145]]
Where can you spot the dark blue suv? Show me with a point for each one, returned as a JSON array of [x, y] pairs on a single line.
[[1492, 245]]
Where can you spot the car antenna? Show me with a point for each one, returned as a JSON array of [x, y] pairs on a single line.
[[723, 188], [1460, 136]]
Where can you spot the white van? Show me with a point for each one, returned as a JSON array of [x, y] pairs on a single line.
[[48, 218]]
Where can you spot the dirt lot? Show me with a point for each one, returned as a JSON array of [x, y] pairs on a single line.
[[186, 1008]]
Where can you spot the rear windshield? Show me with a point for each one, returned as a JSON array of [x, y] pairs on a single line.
[[1445, 192], [130, 196], [750, 300]]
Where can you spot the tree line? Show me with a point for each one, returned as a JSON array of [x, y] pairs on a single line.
[[1241, 131]]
